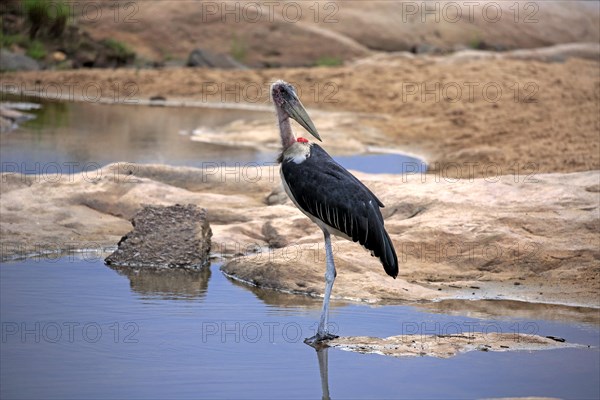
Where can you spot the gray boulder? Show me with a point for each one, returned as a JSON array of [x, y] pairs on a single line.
[[16, 62], [11, 117], [207, 59], [165, 237]]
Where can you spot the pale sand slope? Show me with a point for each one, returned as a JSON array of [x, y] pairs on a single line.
[[305, 33], [449, 235]]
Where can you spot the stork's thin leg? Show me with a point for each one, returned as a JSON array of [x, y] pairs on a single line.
[[330, 274]]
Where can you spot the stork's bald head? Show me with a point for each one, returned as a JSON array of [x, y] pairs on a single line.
[[286, 100]]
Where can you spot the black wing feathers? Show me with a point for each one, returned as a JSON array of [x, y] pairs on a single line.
[[326, 190]]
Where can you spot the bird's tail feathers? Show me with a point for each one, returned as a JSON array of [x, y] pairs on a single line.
[[388, 257]]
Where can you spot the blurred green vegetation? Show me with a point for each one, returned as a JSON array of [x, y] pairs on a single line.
[[238, 49], [327, 61], [7, 40], [119, 49], [43, 19], [475, 42], [52, 113], [36, 50], [50, 16]]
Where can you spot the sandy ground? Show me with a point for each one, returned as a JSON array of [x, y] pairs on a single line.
[[465, 116]]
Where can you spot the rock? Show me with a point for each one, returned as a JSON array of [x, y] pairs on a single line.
[[174, 64], [445, 346], [11, 117], [208, 59], [16, 62], [272, 237], [14, 115], [165, 237], [6, 125], [277, 196], [58, 56], [158, 101], [424, 48], [84, 51], [21, 106], [593, 188]]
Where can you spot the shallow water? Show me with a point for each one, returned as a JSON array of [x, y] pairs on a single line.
[[79, 135], [68, 137], [73, 328]]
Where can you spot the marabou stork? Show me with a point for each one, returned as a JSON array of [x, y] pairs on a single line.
[[328, 194]]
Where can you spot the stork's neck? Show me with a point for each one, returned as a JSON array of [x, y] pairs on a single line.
[[285, 129]]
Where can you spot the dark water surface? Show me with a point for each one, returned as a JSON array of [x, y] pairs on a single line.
[[74, 328], [70, 137]]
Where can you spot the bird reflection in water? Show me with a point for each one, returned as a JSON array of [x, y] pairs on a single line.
[[323, 358], [286, 300]]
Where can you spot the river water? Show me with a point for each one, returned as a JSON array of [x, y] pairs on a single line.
[[75, 328], [69, 137]]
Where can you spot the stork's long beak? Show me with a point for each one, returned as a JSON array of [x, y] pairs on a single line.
[[296, 110]]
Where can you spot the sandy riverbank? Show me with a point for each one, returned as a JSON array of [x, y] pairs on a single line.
[[514, 116]]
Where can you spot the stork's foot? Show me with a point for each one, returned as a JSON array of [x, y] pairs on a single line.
[[320, 340]]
